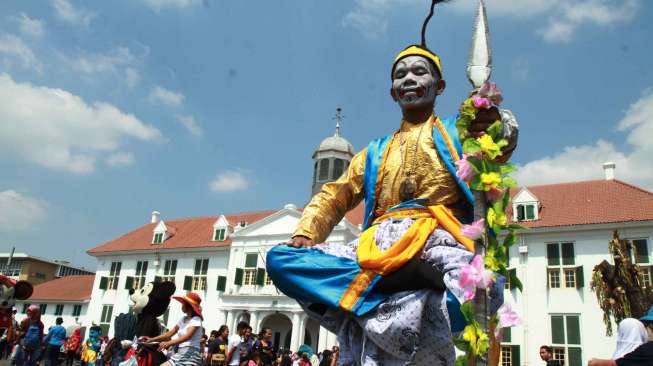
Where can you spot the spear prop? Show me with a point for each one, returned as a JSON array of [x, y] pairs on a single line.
[[479, 68]]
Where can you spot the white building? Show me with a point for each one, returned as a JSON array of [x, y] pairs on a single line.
[[570, 225], [66, 297]]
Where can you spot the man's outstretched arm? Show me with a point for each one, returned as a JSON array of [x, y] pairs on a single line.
[[329, 206]]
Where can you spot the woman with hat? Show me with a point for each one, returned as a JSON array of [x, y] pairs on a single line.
[[186, 334]]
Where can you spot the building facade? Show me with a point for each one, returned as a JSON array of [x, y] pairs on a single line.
[[22, 266]]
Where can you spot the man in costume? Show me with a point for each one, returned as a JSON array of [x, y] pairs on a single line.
[[393, 296]]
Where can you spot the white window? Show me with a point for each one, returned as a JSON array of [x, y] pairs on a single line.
[[251, 260], [58, 310], [158, 238], [220, 234], [114, 275], [105, 318], [77, 310], [199, 275], [169, 270], [141, 272], [526, 212], [640, 255], [561, 268], [565, 339]]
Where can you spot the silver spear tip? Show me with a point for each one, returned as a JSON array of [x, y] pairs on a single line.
[[479, 65]]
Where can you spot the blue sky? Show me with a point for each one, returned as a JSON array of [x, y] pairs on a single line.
[[109, 110]]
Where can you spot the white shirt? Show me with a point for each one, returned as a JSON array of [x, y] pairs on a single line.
[[186, 323], [234, 341]]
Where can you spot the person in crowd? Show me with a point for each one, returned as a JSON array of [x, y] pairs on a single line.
[[234, 343], [217, 349], [71, 346], [255, 359], [641, 355], [246, 346], [330, 358], [263, 346], [29, 339], [53, 342], [546, 354], [185, 335], [631, 333], [203, 341]]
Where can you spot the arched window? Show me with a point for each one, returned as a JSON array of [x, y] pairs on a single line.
[[338, 168], [324, 169]]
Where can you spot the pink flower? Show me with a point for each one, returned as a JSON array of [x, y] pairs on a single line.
[[481, 102], [490, 91], [464, 169], [475, 230], [507, 317], [494, 194], [473, 276]]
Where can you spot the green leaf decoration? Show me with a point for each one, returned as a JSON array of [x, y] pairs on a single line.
[[471, 146], [467, 308], [495, 129], [509, 182]]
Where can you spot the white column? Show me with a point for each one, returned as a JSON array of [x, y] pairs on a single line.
[[332, 340], [230, 322], [322, 339], [253, 322], [294, 335], [302, 328]]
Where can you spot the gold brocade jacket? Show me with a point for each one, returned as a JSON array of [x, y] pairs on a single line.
[[411, 150]]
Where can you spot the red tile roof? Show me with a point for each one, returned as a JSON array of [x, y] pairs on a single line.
[[69, 288], [589, 202]]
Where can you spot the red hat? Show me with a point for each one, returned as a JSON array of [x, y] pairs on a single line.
[[193, 300]]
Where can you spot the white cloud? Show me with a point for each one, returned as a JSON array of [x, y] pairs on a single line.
[[585, 162], [76, 16], [132, 77], [165, 96], [59, 130], [120, 62], [190, 124], [120, 159], [29, 26], [563, 17], [157, 5], [229, 181], [14, 48], [19, 212]]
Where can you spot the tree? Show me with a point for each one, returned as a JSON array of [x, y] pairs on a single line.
[[620, 288]]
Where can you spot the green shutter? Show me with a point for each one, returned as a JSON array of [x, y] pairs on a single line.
[[580, 278], [512, 274], [520, 213], [553, 254], [103, 283], [515, 356], [557, 329], [568, 254], [575, 356], [129, 283], [198, 267], [641, 251], [115, 283], [188, 283], [238, 279], [507, 335], [222, 283], [251, 260], [573, 329], [260, 276], [530, 212], [205, 266]]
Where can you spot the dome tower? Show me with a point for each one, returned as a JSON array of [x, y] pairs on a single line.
[[332, 157]]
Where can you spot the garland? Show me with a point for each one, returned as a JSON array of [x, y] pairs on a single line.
[[479, 168]]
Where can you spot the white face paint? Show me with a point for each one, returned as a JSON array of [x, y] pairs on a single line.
[[414, 82]]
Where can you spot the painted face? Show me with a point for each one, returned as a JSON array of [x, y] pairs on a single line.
[[141, 297], [415, 83]]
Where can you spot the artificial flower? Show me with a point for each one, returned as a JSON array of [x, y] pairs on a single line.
[[474, 230], [488, 146], [490, 91], [464, 169], [477, 339], [507, 318], [473, 276], [494, 194], [496, 218], [481, 102], [490, 180]]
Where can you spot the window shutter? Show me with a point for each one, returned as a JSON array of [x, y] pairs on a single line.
[[205, 266], [530, 212], [573, 329], [222, 283], [512, 273], [507, 335], [575, 356], [129, 283], [515, 356], [115, 282], [238, 280], [567, 253], [103, 283], [520, 213], [557, 329], [158, 279], [251, 260], [188, 283], [553, 254], [641, 251], [580, 278], [260, 276]]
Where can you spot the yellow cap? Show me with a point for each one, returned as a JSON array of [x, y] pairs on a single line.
[[419, 51]]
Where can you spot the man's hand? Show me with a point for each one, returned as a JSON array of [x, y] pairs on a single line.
[[300, 241], [484, 119]]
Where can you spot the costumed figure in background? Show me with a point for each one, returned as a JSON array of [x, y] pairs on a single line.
[[72, 346], [91, 346], [393, 296], [10, 291]]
